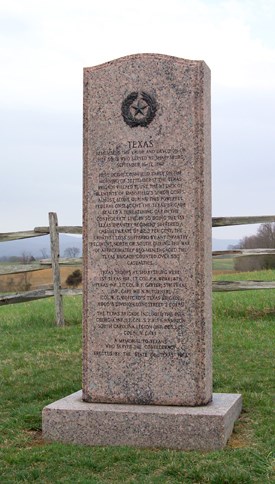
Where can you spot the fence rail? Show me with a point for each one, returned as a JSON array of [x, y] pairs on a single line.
[[217, 286], [77, 229], [55, 262], [225, 221], [241, 252], [37, 294], [76, 261]]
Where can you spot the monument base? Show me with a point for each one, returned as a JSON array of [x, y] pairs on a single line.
[[71, 420]]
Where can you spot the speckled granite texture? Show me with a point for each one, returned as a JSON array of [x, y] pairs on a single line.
[[147, 232], [188, 428], [147, 362]]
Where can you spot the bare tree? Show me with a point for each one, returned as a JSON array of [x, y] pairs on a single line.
[[264, 238], [26, 258], [44, 253], [266, 235], [71, 252]]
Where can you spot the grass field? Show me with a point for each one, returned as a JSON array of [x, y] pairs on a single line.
[[36, 279], [41, 363], [223, 264]]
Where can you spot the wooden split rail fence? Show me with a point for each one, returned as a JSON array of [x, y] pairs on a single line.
[[55, 261]]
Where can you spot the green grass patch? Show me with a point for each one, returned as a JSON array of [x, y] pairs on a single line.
[[41, 363], [268, 275], [223, 263]]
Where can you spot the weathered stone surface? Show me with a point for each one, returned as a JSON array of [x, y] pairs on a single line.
[[188, 428], [147, 232], [147, 363]]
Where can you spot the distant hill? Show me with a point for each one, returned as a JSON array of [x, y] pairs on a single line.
[[222, 244], [36, 245]]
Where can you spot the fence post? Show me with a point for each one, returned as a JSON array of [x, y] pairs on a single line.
[[54, 235]]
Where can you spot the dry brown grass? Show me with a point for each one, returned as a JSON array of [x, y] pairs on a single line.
[[218, 272], [37, 279]]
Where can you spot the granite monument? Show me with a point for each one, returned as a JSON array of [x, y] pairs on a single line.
[[147, 361]]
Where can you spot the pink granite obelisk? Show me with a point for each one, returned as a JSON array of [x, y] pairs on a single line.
[[147, 239], [147, 359]]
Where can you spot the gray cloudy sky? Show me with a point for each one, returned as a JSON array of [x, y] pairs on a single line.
[[46, 43]]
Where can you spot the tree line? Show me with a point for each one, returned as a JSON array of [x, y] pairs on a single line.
[[28, 258], [263, 239]]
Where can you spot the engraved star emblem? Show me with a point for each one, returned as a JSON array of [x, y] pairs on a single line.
[[139, 108]]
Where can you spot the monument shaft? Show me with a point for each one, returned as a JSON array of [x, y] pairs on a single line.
[[147, 232]]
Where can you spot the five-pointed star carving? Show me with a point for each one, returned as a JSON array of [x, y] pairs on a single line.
[[139, 109]]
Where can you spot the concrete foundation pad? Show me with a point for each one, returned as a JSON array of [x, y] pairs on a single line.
[[71, 420]]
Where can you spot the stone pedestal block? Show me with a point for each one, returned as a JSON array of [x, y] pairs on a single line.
[[71, 420]]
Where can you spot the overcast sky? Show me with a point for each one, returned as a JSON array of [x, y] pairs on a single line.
[[46, 43]]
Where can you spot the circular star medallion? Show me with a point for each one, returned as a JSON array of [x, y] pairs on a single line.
[[138, 109]]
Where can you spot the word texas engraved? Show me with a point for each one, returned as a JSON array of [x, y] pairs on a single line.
[[138, 109]]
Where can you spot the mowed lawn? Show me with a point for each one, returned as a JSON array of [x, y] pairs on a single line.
[[41, 363]]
